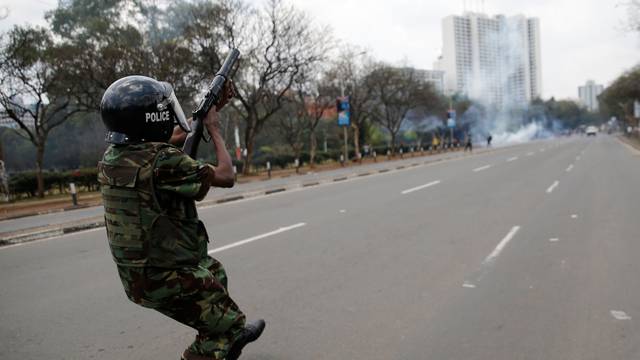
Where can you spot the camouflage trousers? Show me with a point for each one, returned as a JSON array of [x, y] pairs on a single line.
[[194, 296]]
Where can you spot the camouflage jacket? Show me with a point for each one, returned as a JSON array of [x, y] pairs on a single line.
[[148, 192]]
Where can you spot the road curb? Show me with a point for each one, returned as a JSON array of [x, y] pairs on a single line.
[[24, 237], [36, 213], [633, 147]]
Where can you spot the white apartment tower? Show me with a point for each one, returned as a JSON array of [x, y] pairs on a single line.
[[495, 60], [589, 95]]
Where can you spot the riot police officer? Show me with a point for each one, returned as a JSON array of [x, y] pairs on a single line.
[[149, 188]]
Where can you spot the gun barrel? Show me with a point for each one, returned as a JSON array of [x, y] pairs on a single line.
[[211, 98], [228, 63]]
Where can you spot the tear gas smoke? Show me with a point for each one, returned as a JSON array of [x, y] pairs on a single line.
[[499, 89]]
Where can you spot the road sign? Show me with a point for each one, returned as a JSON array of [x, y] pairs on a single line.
[[344, 113], [451, 118], [343, 119]]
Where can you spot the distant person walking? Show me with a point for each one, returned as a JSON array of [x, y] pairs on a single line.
[[435, 142], [467, 143], [489, 138]]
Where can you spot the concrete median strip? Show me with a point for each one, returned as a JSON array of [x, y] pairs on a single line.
[[47, 232], [229, 199], [273, 191]]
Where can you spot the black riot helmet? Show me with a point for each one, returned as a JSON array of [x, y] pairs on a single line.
[[139, 109]]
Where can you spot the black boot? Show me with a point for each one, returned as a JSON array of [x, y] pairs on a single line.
[[250, 333]]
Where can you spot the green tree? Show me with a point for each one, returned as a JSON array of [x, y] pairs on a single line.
[[397, 93], [102, 41], [618, 98]]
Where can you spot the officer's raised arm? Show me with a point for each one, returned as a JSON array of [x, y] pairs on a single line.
[[222, 174]]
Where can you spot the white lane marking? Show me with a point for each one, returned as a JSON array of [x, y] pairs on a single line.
[[553, 186], [494, 254], [468, 285], [255, 238], [420, 187], [620, 315], [342, 211], [574, 216], [570, 168], [542, 150], [481, 168], [553, 239], [512, 159], [530, 153]]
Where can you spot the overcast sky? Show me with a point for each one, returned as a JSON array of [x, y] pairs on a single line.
[[581, 39]]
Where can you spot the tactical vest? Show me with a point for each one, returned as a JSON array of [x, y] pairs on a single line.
[[141, 233]]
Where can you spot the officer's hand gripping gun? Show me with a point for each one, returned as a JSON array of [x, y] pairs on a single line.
[[213, 96]]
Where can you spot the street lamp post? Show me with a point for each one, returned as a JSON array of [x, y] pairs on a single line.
[[344, 128]]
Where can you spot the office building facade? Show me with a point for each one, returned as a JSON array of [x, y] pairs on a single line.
[[588, 95], [495, 60]]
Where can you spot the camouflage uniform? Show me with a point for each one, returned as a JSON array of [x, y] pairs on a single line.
[[160, 246]]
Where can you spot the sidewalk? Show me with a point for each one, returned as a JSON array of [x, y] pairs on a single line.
[[632, 141], [57, 203], [42, 226]]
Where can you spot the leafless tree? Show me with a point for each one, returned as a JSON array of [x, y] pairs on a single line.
[[633, 15], [315, 95], [30, 89], [350, 71], [292, 125], [276, 42]]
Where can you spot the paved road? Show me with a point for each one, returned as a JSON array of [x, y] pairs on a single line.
[[526, 253], [256, 186]]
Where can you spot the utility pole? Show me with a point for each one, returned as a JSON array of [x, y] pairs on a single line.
[[450, 128]]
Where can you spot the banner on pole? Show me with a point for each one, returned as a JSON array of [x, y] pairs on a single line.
[[451, 118], [344, 113]]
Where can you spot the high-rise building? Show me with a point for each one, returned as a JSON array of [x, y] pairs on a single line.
[[434, 77], [589, 95], [495, 60]]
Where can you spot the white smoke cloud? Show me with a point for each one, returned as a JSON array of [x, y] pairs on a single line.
[[499, 88], [525, 133]]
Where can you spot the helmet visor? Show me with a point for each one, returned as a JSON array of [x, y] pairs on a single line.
[[177, 110], [172, 102]]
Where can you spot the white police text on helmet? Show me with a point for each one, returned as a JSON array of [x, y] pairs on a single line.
[[158, 116]]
